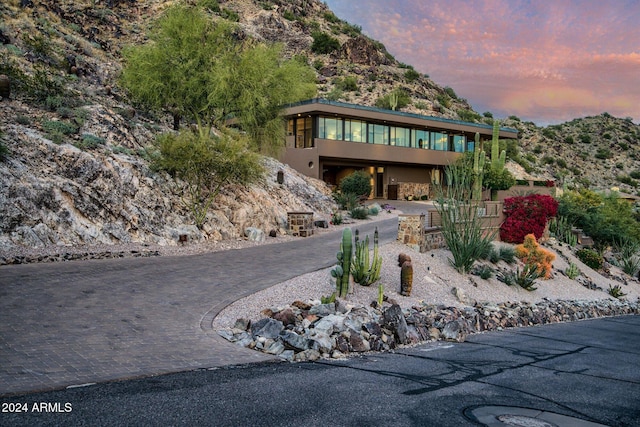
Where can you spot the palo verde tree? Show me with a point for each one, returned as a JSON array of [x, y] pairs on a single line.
[[207, 71], [207, 163]]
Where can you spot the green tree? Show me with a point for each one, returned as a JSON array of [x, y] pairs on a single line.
[[358, 183], [207, 164], [198, 69]]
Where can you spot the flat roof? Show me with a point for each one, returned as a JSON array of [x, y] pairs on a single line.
[[325, 106]]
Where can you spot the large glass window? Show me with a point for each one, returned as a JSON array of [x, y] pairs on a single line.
[[378, 134], [400, 137], [330, 128], [439, 141], [458, 143], [419, 138], [304, 137], [355, 131], [471, 145]]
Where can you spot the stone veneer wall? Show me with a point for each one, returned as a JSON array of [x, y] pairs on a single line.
[[412, 189], [413, 233], [410, 230], [300, 223]]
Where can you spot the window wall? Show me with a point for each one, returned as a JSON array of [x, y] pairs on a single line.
[[339, 129], [420, 138], [330, 128], [378, 134], [302, 129], [355, 131], [458, 143], [439, 141], [400, 137]]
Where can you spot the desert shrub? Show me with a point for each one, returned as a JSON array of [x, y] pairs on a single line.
[[548, 160], [346, 201], [336, 218], [585, 138], [626, 255], [524, 278], [494, 255], [89, 141], [484, 271], [590, 258], [468, 115], [498, 179], [348, 84], [358, 183], [323, 43], [616, 292], [359, 212], [411, 75], [526, 215], [374, 210], [626, 179], [531, 254], [603, 154], [606, 219], [507, 254], [449, 91]]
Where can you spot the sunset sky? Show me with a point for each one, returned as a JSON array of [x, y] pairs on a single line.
[[546, 61]]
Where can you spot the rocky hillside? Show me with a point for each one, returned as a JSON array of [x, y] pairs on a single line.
[[599, 152], [77, 169]]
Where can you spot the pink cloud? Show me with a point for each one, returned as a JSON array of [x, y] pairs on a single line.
[[545, 61]]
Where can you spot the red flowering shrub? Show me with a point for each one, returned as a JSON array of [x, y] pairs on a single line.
[[526, 215]]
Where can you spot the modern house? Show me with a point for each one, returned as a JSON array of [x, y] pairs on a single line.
[[404, 153]]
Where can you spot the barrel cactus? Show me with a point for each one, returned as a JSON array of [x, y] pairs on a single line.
[[402, 258], [406, 278]]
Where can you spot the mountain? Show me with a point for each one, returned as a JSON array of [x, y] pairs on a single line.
[[77, 169]]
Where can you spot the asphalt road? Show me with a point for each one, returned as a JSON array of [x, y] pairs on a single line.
[[589, 371]]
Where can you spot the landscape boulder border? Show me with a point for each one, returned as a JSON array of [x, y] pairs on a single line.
[[308, 331], [75, 256]]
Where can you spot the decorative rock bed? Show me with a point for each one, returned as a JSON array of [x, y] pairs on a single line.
[[76, 256], [309, 331]]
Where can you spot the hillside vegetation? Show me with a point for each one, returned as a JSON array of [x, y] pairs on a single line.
[[76, 148]]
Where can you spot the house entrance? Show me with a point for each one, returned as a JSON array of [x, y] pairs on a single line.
[[379, 184]]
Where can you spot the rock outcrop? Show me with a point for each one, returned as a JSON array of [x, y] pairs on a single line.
[[58, 194]]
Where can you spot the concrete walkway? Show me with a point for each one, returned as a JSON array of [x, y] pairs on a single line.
[[79, 322]]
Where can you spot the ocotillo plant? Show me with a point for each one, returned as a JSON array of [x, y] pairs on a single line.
[[366, 272], [342, 271]]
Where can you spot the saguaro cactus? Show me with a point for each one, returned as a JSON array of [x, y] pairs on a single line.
[[342, 271], [406, 278], [478, 168], [497, 160]]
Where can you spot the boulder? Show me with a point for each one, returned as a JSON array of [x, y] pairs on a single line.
[[267, 328]]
